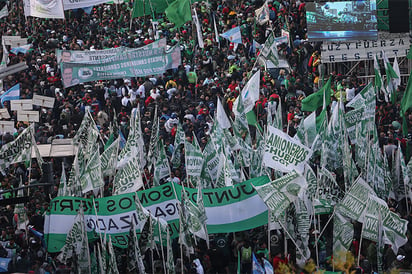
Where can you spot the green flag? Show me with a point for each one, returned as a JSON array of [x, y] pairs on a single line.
[[315, 100], [406, 102], [179, 12]]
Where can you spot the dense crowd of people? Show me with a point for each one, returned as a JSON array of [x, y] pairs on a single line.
[[187, 95]]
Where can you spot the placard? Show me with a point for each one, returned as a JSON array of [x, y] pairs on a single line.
[[14, 41], [28, 116], [43, 101], [24, 104], [6, 126], [4, 114]]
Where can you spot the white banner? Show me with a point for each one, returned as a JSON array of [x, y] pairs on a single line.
[[77, 4], [28, 116], [333, 52], [283, 153], [44, 8]]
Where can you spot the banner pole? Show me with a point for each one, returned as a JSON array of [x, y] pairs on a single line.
[[161, 245], [327, 223]]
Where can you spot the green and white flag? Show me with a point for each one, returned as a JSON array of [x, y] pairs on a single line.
[[62, 191], [306, 132], [20, 211], [211, 158], [185, 237], [162, 168], [284, 153], [394, 228], [378, 79], [179, 139], [135, 145], [278, 194], [302, 229], [18, 150], [76, 244], [135, 258], [112, 263], [108, 158], [170, 263], [391, 77], [353, 205], [352, 119], [194, 158], [87, 130], [196, 219], [128, 179], [224, 176], [328, 189], [312, 181], [342, 235], [154, 139], [92, 177], [249, 94], [269, 50]]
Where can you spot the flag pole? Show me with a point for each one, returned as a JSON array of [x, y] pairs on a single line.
[[291, 238], [161, 245]]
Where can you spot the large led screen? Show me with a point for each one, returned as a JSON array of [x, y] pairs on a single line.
[[342, 21]]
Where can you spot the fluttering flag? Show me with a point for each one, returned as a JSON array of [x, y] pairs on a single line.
[[262, 14], [269, 50], [257, 268], [11, 94], [21, 49], [317, 99], [233, 35], [378, 79], [391, 77], [198, 29], [63, 181], [406, 104], [4, 11], [52, 9], [221, 117], [5, 58], [18, 150], [179, 12], [250, 94]]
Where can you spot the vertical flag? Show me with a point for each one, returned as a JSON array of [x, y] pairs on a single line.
[[221, 117], [406, 104], [198, 30], [378, 79], [250, 94], [4, 12], [391, 75]]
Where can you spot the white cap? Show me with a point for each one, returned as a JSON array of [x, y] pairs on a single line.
[[400, 257]]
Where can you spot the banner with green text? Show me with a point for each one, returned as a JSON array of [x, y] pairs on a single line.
[[228, 209]]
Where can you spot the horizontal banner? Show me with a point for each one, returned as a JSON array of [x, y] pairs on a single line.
[[333, 52], [137, 63], [228, 209]]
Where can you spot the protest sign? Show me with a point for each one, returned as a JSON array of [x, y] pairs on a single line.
[[228, 209], [6, 126], [284, 153], [43, 101], [28, 116], [24, 104]]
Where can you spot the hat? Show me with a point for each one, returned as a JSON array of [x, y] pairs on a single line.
[[396, 125], [400, 257]]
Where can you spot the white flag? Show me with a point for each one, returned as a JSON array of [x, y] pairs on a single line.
[[262, 14], [250, 94], [221, 116], [44, 8], [198, 30], [4, 12]]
